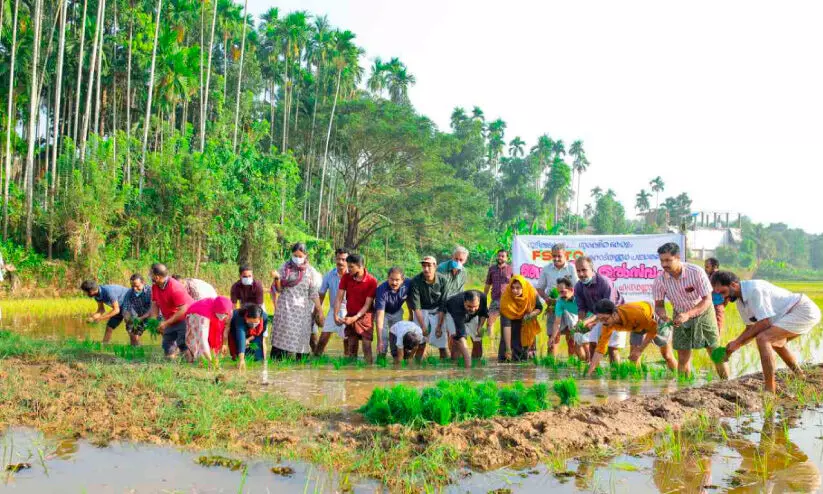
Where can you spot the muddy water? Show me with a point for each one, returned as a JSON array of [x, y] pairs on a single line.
[[760, 456], [70, 466]]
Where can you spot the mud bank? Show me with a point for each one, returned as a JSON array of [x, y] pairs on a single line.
[[198, 409], [525, 440]]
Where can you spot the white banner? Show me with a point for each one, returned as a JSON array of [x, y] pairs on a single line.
[[630, 261]]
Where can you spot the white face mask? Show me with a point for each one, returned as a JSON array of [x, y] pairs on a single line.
[[247, 280], [298, 260]]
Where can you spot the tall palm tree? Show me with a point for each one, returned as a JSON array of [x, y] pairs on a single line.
[[149, 96], [240, 77], [294, 34], [377, 79], [641, 202], [559, 148], [346, 57], [516, 147], [542, 151], [77, 91], [458, 117], [588, 211], [579, 165], [657, 187], [597, 193], [61, 50], [204, 104], [398, 81], [9, 120], [34, 105]]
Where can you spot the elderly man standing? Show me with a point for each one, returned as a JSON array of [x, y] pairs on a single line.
[[559, 268], [426, 296], [455, 271], [688, 289]]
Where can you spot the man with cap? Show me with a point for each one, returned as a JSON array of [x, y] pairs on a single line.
[[427, 293]]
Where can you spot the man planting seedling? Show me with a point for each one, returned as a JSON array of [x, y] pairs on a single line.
[[688, 289], [773, 317], [638, 319]]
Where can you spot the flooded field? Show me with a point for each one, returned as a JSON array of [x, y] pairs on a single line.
[[750, 454], [783, 454]]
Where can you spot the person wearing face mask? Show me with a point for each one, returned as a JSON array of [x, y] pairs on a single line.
[[136, 307], [773, 316], [206, 328], [246, 327], [249, 290], [295, 291], [455, 271], [388, 305], [463, 316], [521, 305], [590, 289]]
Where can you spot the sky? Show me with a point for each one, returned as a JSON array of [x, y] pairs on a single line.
[[723, 100]]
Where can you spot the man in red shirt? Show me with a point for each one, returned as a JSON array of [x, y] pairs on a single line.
[[358, 288], [170, 299]]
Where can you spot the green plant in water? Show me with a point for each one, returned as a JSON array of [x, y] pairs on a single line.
[[220, 461], [566, 389]]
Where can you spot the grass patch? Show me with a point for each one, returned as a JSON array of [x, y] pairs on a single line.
[[453, 401]]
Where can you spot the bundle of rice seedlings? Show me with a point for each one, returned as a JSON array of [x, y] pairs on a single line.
[[566, 389]]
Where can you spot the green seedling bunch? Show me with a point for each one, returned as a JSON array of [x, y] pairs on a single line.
[[453, 401], [554, 293], [719, 354], [566, 389]]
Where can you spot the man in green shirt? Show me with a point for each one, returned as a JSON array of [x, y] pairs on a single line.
[[427, 293], [455, 272]]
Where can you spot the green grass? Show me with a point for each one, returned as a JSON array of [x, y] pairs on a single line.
[[454, 401]]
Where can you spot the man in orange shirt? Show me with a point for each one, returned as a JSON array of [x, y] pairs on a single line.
[[637, 318]]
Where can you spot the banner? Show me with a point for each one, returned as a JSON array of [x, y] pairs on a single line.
[[630, 261]]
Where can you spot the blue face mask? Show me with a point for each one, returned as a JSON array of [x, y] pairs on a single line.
[[455, 265], [588, 281]]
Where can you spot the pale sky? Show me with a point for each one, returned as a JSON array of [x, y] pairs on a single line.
[[723, 99]]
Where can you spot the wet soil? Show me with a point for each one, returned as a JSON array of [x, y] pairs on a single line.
[[81, 400]]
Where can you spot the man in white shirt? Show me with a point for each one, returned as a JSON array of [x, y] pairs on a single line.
[[558, 269], [773, 316]]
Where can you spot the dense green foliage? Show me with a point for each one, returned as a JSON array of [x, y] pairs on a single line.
[[456, 401], [223, 138]]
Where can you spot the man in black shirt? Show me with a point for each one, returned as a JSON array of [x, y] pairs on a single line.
[[463, 315]]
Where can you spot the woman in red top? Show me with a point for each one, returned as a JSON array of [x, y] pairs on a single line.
[[205, 327]]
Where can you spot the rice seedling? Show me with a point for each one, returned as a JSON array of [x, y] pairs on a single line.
[[671, 445], [566, 389], [452, 401], [719, 354]]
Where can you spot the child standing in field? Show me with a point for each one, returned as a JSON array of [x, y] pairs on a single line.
[[712, 266]]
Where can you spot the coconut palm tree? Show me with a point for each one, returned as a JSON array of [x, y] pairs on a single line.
[[346, 58], [641, 202], [240, 78], [516, 147], [657, 187], [559, 148], [542, 152], [9, 119], [34, 106], [149, 96], [597, 193], [579, 165]]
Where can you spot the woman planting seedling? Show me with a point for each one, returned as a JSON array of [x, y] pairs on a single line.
[[638, 319], [520, 305], [773, 316]]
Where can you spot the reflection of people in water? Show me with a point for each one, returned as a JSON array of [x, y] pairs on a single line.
[[788, 469], [690, 475]]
